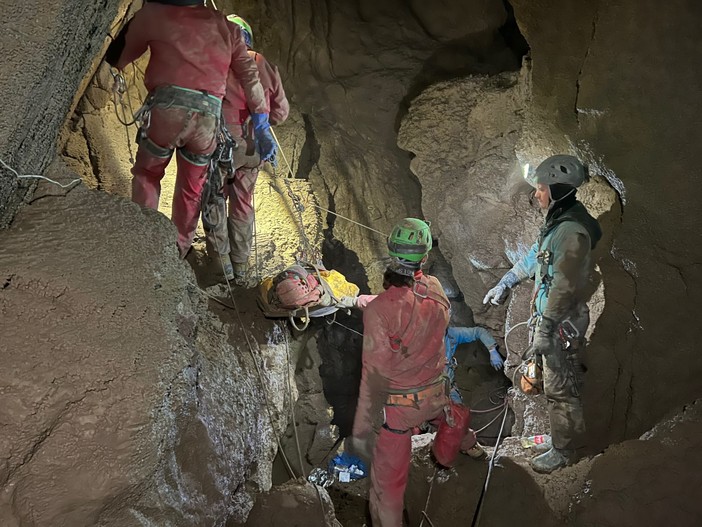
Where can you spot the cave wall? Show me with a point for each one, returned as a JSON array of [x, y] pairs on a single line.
[[613, 85], [126, 397], [620, 80], [609, 81], [49, 52], [349, 68], [619, 88]]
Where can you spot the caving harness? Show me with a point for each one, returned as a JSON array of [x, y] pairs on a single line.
[[171, 96], [219, 172], [220, 164], [413, 396], [422, 291]]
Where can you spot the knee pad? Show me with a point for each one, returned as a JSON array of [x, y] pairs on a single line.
[[199, 160]]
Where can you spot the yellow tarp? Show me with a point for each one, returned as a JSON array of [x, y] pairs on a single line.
[[338, 284]]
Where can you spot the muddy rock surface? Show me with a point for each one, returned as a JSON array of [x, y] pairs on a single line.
[[648, 481], [124, 400], [294, 504]]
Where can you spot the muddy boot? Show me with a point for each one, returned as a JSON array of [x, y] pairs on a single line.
[[239, 272], [224, 264], [552, 460], [542, 448], [475, 452]]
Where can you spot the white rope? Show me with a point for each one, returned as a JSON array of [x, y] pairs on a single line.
[[426, 504], [349, 219], [34, 176], [292, 403], [346, 327], [479, 510], [510, 331]]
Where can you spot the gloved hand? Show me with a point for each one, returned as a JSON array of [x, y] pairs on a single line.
[[497, 294], [362, 301], [264, 139], [347, 302], [496, 360], [546, 338]]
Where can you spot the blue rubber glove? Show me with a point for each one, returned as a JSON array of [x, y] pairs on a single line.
[[496, 360], [546, 338], [497, 294], [264, 140]]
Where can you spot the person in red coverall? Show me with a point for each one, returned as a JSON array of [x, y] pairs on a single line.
[[402, 381], [192, 48], [229, 239]]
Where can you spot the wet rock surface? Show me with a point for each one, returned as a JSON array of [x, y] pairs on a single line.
[[651, 480]]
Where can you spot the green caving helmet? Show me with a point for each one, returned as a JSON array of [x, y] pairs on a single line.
[[245, 28], [410, 240]]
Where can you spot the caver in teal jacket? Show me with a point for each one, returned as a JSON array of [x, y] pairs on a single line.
[[559, 263]]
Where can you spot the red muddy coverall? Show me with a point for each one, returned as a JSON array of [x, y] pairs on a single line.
[[388, 367], [192, 49], [234, 234]]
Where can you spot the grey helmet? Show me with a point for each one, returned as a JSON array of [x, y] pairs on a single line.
[[563, 169]]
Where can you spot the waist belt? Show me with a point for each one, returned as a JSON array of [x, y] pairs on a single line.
[[177, 97], [413, 396]]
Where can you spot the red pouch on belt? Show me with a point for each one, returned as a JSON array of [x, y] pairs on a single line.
[[450, 434]]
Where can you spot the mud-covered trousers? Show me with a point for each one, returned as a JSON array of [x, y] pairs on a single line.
[[392, 455], [234, 234], [185, 120], [563, 374]]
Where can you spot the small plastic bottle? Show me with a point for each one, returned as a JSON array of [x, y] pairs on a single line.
[[528, 442]]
